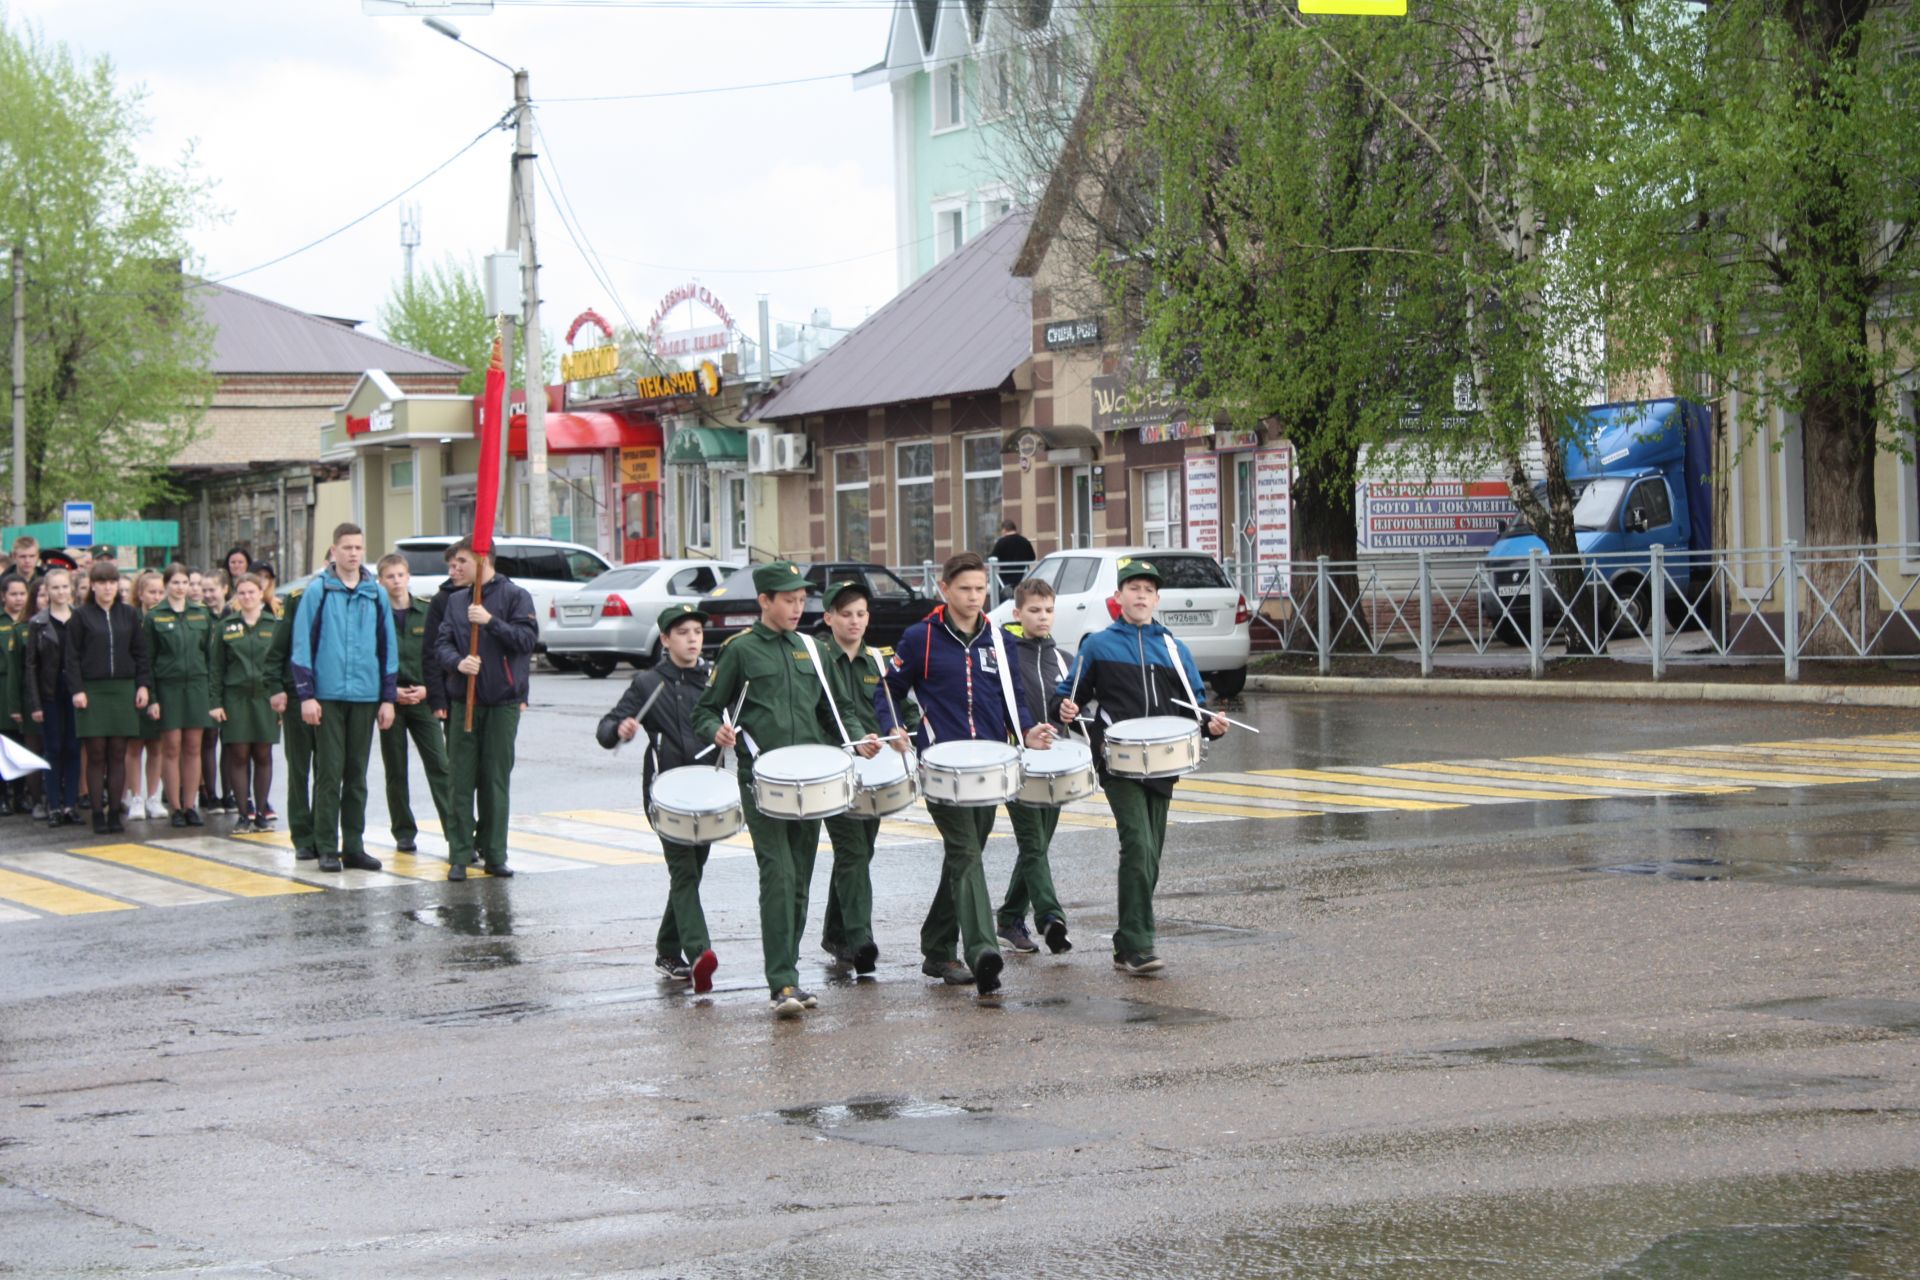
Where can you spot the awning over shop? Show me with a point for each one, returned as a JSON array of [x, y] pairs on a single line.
[[1029, 442], [704, 446], [588, 432]]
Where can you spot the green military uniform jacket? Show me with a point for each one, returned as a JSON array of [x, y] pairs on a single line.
[[785, 705], [279, 669], [242, 665], [180, 644], [857, 680], [13, 635], [411, 628]]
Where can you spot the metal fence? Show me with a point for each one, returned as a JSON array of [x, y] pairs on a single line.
[[1789, 604]]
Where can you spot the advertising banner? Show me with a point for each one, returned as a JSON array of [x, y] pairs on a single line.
[[1203, 503], [1444, 514], [1273, 511]]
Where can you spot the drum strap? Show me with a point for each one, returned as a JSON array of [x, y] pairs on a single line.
[[881, 667], [1006, 681], [1180, 669], [813, 651]]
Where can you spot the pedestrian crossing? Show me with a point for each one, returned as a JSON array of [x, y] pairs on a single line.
[[173, 870]]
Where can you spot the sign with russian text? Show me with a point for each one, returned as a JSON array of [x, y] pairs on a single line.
[[1444, 514], [639, 466], [1203, 503], [79, 524], [1118, 407], [1061, 334], [594, 362], [1273, 515]]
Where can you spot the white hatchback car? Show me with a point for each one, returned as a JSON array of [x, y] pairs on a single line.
[[1198, 603], [544, 567]]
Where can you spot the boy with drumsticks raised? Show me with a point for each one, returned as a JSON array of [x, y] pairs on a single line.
[[1133, 669], [766, 693]]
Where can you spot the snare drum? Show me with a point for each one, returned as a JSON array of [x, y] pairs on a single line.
[[970, 773], [803, 783], [883, 785], [1057, 776], [695, 804], [1153, 747]]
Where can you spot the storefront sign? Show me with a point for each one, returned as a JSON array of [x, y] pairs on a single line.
[[692, 341], [639, 466], [1438, 515], [1118, 407], [1273, 512], [689, 342], [704, 381], [1203, 503], [1182, 430], [1061, 334], [594, 362], [1238, 438]]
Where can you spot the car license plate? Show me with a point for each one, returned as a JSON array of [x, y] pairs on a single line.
[[739, 619], [577, 611], [1188, 618], [1511, 589]]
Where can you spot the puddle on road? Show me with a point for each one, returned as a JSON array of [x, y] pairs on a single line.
[[1652, 1066], [930, 1127], [1798, 875], [1115, 1011], [1888, 1015], [485, 919], [1809, 1249]]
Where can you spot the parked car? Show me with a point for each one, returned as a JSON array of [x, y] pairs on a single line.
[[896, 606], [544, 567], [612, 618], [1198, 603]]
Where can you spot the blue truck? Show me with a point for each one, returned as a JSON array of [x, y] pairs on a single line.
[[1641, 474]]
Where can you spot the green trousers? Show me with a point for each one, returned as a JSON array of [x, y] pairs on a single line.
[[297, 741], [784, 851], [1031, 887], [480, 762], [342, 743], [1141, 815], [849, 920], [683, 925], [962, 904], [430, 740]]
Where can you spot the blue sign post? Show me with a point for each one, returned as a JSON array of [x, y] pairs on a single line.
[[79, 524]]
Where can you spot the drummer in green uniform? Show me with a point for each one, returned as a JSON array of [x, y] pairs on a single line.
[[297, 733], [854, 671], [179, 638], [241, 688], [105, 655], [412, 717], [784, 702]]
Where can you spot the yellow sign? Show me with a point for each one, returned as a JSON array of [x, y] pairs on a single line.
[[594, 362], [704, 381], [709, 378], [1358, 8], [639, 466]]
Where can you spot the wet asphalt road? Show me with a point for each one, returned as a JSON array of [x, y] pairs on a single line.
[[1648, 1035]]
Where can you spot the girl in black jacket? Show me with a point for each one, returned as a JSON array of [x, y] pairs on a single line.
[[106, 661], [49, 699]]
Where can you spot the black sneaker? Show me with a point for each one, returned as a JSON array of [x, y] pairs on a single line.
[[672, 969], [501, 872], [1017, 938], [329, 862], [865, 957], [1139, 963], [1055, 931], [404, 846], [305, 855], [114, 825], [841, 953], [179, 818], [808, 1000], [263, 823], [360, 861], [194, 819], [456, 872], [99, 822], [786, 1003], [951, 972], [986, 973]]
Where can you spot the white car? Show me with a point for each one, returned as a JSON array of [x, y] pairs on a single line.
[[614, 617], [544, 567], [1198, 603]]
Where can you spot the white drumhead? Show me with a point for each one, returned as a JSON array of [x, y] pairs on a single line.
[[1152, 729], [696, 788], [883, 770], [807, 763], [969, 753], [1066, 755]]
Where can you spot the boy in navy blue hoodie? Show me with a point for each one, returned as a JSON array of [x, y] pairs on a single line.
[[1041, 664]]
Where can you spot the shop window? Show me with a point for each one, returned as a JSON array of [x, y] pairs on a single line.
[[737, 504], [851, 504], [400, 474], [913, 484], [456, 513], [1160, 508], [696, 508], [981, 460]]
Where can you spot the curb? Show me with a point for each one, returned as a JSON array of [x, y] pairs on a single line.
[[1826, 695]]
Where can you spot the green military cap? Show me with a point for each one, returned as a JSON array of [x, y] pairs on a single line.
[[1130, 569], [837, 589], [675, 614], [781, 575]]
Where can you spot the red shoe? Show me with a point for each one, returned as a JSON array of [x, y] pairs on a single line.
[[703, 972]]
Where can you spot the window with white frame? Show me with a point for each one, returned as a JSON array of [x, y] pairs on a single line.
[[696, 508], [949, 228], [980, 457], [995, 204], [913, 484], [949, 96], [997, 71], [851, 501], [1160, 514]]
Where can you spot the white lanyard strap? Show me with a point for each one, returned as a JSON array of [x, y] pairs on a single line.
[[813, 652], [1180, 669], [1006, 682]]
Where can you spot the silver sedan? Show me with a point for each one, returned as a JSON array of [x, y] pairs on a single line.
[[612, 618]]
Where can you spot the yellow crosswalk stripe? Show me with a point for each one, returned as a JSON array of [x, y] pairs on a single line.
[[55, 899], [392, 862], [1339, 799], [1847, 749], [1440, 788], [200, 871], [605, 855], [1700, 771], [1238, 810], [1779, 757], [1912, 738], [1576, 779]]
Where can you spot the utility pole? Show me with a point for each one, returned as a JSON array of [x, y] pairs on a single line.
[[19, 385], [539, 517], [409, 236]]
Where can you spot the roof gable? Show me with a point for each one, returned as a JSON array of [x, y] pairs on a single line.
[[255, 335]]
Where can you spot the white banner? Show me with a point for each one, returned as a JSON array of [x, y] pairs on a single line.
[[1203, 503], [1273, 504]]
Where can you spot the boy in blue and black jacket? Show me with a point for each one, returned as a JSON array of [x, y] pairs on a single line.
[[1134, 668], [1040, 664]]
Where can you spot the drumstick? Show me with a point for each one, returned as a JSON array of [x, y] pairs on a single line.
[[1203, 711], [644, 708], [726, 718]]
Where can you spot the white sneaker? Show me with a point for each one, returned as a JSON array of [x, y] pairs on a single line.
[[136, 807], [157, 805]]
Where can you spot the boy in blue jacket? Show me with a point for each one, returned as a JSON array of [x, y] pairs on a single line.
[[1134, 668], [959, 666], [345, 665]]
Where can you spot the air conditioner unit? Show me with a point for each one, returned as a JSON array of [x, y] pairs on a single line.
[[760, 457], [790, 453]]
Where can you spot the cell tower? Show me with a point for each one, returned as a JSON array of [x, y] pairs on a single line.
[[409, 236]]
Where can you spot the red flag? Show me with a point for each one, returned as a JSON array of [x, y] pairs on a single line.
[[493, 414]]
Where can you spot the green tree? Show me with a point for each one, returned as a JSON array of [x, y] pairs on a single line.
[[444, 313], [117, 353]]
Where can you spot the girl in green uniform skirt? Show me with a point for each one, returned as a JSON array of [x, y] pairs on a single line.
[[13, 636], [242, 691], [179, 636], [106, 661], [143, 753]]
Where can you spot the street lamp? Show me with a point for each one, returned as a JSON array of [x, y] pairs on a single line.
[[520, 232]]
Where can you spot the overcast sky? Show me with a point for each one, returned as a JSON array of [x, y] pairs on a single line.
[[306, 113]]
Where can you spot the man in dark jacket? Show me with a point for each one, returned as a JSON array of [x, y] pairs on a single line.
[[659, 703], [1014, 553], [481, 758], [440, 684]]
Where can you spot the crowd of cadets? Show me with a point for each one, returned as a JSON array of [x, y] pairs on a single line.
[[160, 694]]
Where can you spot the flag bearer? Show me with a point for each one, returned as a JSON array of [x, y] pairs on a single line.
[[854, 670], [667, 695], [241, 690], [786, 704], [1136, 667], [1041, 664], [957, 663], [179, 638], [412, 717]]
